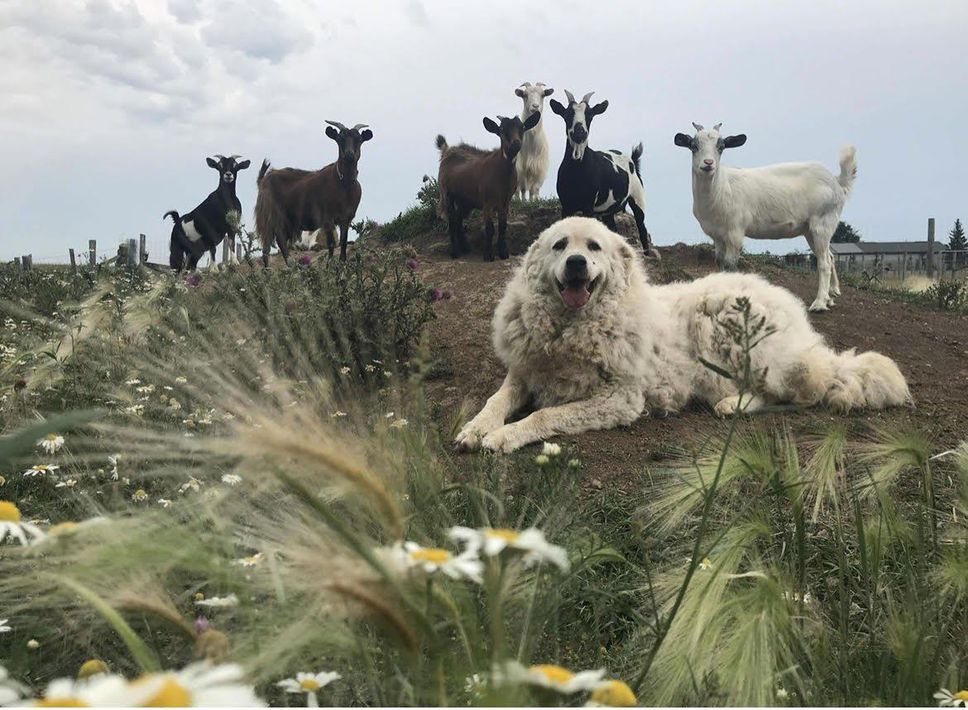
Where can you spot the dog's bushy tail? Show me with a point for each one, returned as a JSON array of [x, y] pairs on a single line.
[[848, 380]]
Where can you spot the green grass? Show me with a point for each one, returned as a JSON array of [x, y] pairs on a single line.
[[748, 567]]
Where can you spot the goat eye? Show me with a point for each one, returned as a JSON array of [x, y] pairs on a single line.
[[594, 246], [560, 244]]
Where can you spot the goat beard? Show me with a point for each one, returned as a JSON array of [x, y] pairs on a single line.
[[578, 151]]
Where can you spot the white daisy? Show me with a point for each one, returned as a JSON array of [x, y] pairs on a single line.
[[52, 443], [41, 469], [556, 678], [232, 479], [113, 460], [493, 541], [68, 483], [947, 699], [198, 685], [164, 502], [338, 413], [132, 383], [399, 423], [310, 684], [344, 370], [139, 496], [181, 380], [10, 690], [102, 690], [12, 526], [3, 626], [251, 561], [219, 602], [466, 565], [549, 449]]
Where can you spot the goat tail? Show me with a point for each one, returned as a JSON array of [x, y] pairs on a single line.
[[848, 168], [263, 171], [441, 143], [175, 217], [637, 159], [848, 380]]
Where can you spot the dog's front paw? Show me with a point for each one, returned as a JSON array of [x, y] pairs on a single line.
[[503, 440], [468, 439]]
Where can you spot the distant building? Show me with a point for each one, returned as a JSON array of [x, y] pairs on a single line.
[[901, 257]]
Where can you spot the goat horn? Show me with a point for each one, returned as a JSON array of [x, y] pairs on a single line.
[[220, 157], [698, 126], [527, 83], [716, 127], [337, 124], [358, 126], [584, 99], [235, 156], [571, 99]]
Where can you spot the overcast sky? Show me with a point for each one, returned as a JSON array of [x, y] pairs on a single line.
[[110, 107]]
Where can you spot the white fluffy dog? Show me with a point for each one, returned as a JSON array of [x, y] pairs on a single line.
[[593, 345]]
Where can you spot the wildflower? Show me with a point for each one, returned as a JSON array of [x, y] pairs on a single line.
[[90, 668], [493, 541], [113, 460], [250, 561], [413, 264], [164, 502], [135, 409], [541, 459], [33, 644], [3, 480], [306, 259], [181, 380], [10, 690], [232, 479], [338, 413], [399, 423], [219, 602], [132, 383], [574, 463], [614, 694], [52, 443], [40, 469], [192, 484], [139, 496], [3, 626], [705, 564], [197, 685], [947, 699], [10, 525], [193, 279], [781, 693], [201, 625], [310, 684], [173, 404], [556, 678], [473, 684], [68, 483], [466, 565], [437, 294], [369, 368], [549, 449], [145, 389], [344, 370]]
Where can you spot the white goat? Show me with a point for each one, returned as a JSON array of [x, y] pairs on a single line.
[[532, 161], [778, 201]]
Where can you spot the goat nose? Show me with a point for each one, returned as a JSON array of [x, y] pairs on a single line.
[[576, 262], [708, 161]]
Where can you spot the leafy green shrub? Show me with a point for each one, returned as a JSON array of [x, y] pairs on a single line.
[[948, 295], [417, 220]]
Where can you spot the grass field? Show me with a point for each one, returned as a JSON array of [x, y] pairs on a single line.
[[256, 469]]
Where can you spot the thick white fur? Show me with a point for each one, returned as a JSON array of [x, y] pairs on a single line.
[[532, 161], [779, 201], [634, 348]]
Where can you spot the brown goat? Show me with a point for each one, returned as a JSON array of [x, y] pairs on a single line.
[[292, 200], [471, 178]]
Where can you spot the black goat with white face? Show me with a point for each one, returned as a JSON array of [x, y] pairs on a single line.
[[596, 183], [207, 225]]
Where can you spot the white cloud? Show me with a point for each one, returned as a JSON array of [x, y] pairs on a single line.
[[260, 30]]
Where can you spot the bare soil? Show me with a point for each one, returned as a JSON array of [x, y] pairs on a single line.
[[930, 346]]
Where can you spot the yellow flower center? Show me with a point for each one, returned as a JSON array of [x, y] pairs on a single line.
[[431, 554], [961, 695], [52, 437], [170, 694], [310, 685], [60, 703], [505, 534], [93, 667], [63, 528], [615, 694], [556, 674], [9, 513]]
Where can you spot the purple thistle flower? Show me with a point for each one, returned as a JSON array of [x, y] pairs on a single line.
[[306, 259], [437, 294], [413, 264], [193, 279], [201, 625]]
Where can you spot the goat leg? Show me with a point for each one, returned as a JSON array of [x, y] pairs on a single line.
[[488, 238], [502, 244], [344, 235]]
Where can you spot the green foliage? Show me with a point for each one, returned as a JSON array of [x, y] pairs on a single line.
[[845, 234], [418, 220], [956, 237]]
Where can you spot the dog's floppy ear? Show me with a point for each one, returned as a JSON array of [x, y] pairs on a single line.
[[629, 265]]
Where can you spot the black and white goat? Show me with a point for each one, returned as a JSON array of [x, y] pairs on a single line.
[[207, 225], [597, 183]]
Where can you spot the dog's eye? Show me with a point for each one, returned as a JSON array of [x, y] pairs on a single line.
[[560, 244], [594, 246]]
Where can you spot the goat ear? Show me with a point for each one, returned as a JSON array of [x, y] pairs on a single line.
[[332, 132], [242, 165], [557, 107], [683, 141], [212, 163], [491, 127], [365, 135], [734, 141], [532, 120], [598, 108], [519, 92], [549, 92]]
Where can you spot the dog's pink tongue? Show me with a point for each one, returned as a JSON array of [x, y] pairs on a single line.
[[575, 297]]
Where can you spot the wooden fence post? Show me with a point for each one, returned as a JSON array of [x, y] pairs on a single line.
[[28, 262], [16, 261], [73, 262], [132, 253], [225, 250], [142, 248], [238, 251], [92, 252], [930, 247]]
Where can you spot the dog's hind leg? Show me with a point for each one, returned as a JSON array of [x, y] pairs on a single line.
[[730, 405]]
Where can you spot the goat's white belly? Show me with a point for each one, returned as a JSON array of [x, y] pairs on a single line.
[[190, 232], [776, 230]]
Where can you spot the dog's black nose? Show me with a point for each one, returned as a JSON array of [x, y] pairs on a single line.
[[576, 264]]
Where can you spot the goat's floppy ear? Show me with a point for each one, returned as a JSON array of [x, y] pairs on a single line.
[[532, 120], [519, 92], [332, 132], [598, 108], [734, 141], [557, 107], [548, 92], [212, 163], [365, 135], [683, 141], [491, 127], [242, 165]]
